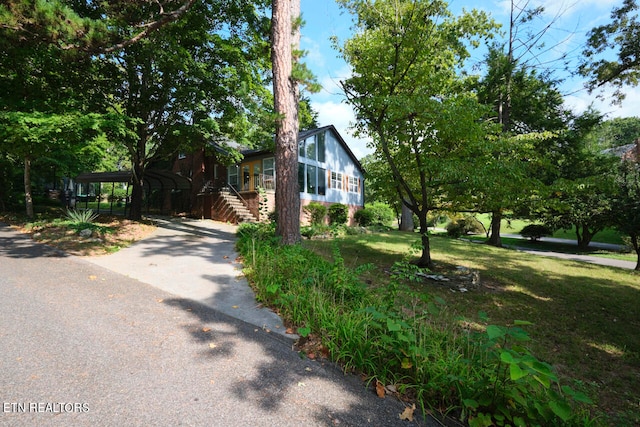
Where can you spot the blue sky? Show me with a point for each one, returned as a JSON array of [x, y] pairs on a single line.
[[324, 19]]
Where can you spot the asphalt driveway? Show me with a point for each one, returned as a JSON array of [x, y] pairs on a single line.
[[81, 345]]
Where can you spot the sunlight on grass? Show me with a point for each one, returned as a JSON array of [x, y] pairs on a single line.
[[571, 303], [522, 290], [608, 348]]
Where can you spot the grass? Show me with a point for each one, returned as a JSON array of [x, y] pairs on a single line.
[[586, 320], [608, 235]]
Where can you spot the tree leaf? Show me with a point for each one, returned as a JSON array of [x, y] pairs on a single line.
[[407, 414]]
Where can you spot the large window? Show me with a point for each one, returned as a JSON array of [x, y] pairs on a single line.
[[312, 180], [336, 180], [353, 184], [321, 146], [322, 181], [312, 148], [301, 185]]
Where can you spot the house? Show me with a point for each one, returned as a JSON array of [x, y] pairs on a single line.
[[626, 152], [328, 173]]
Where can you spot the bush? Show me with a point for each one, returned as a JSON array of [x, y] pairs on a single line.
[[375, 214], [317, 211], [364, 217], [535, 231], [464, 226], [338, 214], [81, 217]]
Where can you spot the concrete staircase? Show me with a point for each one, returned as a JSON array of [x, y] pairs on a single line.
[[230, 208]]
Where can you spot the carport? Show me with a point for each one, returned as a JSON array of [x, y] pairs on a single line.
[[164, 191]]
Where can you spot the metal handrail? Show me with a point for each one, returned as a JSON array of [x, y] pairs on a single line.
[[244, 202]]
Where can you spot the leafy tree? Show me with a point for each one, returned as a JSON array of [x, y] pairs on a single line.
[[525, 101], [25, 134], [197, 80], [410, 101], [626, 204], [622, 36], [577, 184], [614, 133]]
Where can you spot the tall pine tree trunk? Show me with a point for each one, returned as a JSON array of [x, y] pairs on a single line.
[[286, 107]]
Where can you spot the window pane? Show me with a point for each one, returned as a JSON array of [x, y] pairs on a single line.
[[322, 181], [301, 152], [311, 179], [321, 146], [311, 147], [269, 172], [301, 177], [245, 177], [233, 176]]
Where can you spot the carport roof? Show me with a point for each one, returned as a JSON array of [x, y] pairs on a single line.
[[154, 178]]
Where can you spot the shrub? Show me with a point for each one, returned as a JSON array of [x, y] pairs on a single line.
[[375, 214], [81, 217], [535, 231], [464, 226], [338, 214], [317, 211], [364, 217]]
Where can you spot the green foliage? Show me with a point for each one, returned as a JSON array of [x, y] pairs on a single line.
[[405, 337], [81, 217], [318, 212], [619, 36], [338, 214], [377, 213], [535, 231], [614, 133], [427, 126], [512, 386], [463, 226]]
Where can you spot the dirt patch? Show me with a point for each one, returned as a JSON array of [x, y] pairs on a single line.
[[107, 235]]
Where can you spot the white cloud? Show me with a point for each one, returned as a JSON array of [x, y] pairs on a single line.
[[579, 102]]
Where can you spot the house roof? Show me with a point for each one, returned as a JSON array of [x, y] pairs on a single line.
[[154, 179], [303, 135], [620, 150]]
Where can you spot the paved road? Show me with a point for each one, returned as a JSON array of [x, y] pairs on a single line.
[[81, 345], [609, 262]]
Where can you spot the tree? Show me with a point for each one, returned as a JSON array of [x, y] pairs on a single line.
[[622, 35], [524, 101], [408, 98], [46, 95], [85, 26], [197, 80], [32, 136], [626, 204], [284, 24], [614, 133]]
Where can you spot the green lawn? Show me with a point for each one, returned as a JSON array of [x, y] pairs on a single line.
[[607, 235], [586, 317]]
